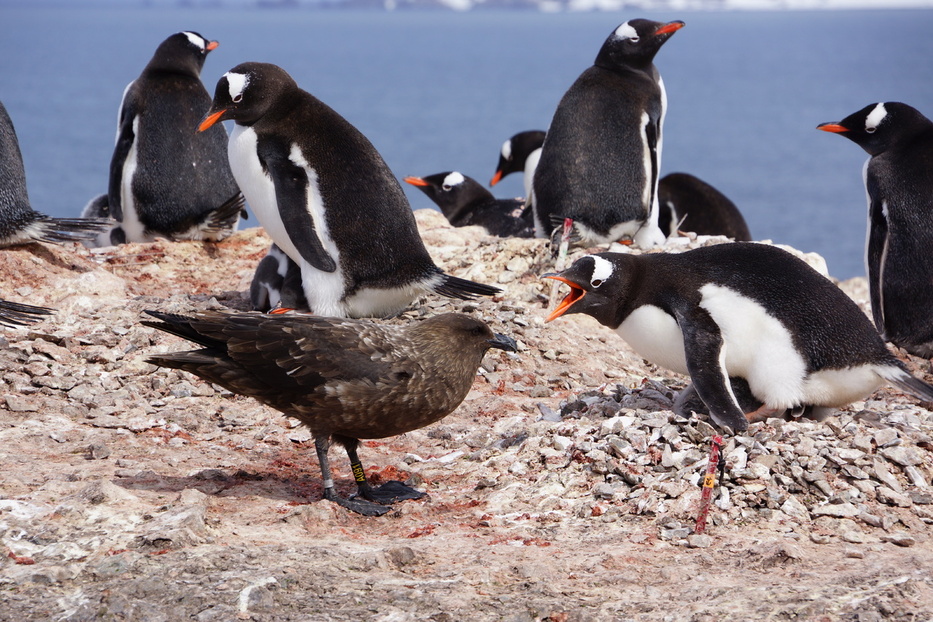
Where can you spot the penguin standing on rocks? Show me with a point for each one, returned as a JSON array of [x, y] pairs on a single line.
[[464, 201], [166, 179], [899, 181], [600, 160], [19, 223], [344, 379], [326, 198], [521, 152], [687, 203], [744, 311]]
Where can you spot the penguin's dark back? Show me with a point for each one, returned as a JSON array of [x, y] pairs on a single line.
[[14, 199], [599, 103], [181, 173]]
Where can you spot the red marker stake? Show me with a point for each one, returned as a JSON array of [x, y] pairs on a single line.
[[709, 481]]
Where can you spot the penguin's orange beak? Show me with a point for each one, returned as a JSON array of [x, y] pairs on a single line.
[[212, 45], [576, 293], [211, 119], [416, 181], [496, 178], [669, 27], [835, 128]]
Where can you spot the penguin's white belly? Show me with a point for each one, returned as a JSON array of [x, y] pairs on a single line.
[[756, 346], [132, 226], [324, 290], [655, 335]]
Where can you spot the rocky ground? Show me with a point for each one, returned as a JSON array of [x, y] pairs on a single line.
[[563, 488]]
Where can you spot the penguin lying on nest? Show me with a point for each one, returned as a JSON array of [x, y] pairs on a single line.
[[344, 379], [791, 338], [464, 202]]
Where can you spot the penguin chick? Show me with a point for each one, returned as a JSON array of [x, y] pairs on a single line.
[[277, 283], [743, 310], [344, 379], [465, 202], [898, 179]]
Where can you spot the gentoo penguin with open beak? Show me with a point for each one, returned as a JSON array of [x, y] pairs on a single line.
[[740, 310], [166, 179], [899, 250], [600, 160], [465, 202], [19, 223], [326, 198], [520, 153]]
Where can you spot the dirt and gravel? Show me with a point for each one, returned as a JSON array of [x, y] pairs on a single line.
[[563, 488]]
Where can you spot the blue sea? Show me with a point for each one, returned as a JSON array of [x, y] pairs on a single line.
[[437, 91]]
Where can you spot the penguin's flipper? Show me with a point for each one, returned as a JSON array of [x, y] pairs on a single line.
[[291, 194], [18, 314], [877, 240], [653, 134], [703, 347]]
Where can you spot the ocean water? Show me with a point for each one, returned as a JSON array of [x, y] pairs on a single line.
[[438, 91]]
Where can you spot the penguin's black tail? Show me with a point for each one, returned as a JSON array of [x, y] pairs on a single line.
[[219, 223], [455, 287], [59, 230], [18, 314], [905, 381]]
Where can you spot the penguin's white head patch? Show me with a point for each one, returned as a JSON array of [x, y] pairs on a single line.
[[237, 83], [507, 149], [874, 118], [454, 179], [195, 40], [626, 31], [602, 270]]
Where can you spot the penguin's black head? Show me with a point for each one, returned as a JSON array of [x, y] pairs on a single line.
[[598, 287], [246, 93], [876, 127], [634, 43], [515, 151], [182, 52], [452, 191]]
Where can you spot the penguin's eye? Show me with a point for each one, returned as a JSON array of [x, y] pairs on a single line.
[[596, 282], [634, 40], [871, 130], [446, 187], [238, 98]]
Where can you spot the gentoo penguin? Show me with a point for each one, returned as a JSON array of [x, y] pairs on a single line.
[[600, 160], [19, 223], [326, 198], [521, 152], [899, 182], [344, 379], [277, 283], [687, 203], [743, 310], [99, 207], [166, 179], [18, 314], [464, 201]]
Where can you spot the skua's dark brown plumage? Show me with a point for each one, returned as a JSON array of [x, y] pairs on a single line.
[[344, 379], [18, 314]]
